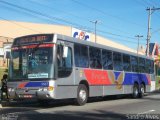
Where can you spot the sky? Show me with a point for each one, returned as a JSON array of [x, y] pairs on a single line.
[[118, 20]]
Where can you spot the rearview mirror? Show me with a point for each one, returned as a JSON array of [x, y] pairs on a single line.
[[65, 51]]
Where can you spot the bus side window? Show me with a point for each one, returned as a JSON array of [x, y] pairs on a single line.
[[95, 58], [134, 64], [152, 67], [142, 65], [64, 63], [126, 63], [117, 61], [107, 60], [81, 56], [149, 66]]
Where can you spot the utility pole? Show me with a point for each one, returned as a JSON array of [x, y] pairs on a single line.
[[151, 10], [95, 29]]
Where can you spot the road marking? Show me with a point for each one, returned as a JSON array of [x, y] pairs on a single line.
[[149, 111]]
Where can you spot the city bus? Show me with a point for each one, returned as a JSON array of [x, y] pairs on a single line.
[[54, 66]]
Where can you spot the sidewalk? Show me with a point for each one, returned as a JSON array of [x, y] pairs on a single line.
[[154, 92]]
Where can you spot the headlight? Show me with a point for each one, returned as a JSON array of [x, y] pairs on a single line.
[[45, 89], [10, 89]]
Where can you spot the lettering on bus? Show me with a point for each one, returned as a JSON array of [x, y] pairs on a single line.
[[33, 39]]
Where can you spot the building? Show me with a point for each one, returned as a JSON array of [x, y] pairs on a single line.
[[5, 44], [12, 29]]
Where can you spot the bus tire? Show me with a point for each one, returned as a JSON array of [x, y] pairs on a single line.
[[142, 90], [82, 95], [135, 93]]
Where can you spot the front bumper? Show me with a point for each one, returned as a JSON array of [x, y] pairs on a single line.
[[32, 93]]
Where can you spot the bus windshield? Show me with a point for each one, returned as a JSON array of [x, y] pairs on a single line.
[[31, 63]]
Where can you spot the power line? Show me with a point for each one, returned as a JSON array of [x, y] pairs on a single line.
[[39, 13], [128, 41], [20, 25], [106, 14], [103, 32], [150, 4], [115, 34], [142, 3], [16, 10], [84, 19], [155, 31], [50, 17], [147, 2], [6, 37]]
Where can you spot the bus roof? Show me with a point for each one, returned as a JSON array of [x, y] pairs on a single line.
[[75, 40], [42, 38]]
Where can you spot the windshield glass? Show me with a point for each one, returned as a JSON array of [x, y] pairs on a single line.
[[31, 63]]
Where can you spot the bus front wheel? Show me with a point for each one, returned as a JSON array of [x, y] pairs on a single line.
[[82, 95]]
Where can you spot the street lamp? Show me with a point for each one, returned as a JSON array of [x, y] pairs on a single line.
[[95, 22], [138, 36]]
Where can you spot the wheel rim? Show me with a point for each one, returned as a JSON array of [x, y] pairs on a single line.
[[142, 90], [135, 91], [82, 95]]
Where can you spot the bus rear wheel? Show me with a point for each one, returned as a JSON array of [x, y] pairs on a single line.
[[142, 90], [82, 95], [135, 93]]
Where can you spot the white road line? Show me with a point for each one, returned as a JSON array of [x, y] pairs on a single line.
[[149, 111]]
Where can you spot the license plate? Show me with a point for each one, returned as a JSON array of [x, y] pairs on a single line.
[[26, 96]]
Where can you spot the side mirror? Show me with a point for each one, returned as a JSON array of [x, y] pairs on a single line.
[[65, 51]]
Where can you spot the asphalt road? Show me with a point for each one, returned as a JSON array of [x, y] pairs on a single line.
[[112, 108]]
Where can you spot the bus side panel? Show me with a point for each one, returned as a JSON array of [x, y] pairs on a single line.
[[104, 82], [148, 81], [153, 82], [65, 87], [96, 91], [127, 89], [131, 78], [112, 90], [116, 83], [96, 79], [65, 91]]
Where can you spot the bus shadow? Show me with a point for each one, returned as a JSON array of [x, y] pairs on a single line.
[[58, 103], [72, 115]]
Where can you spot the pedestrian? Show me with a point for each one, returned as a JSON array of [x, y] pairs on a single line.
[[4, 87]]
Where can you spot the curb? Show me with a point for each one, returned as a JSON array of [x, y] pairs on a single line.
[[156, 91]]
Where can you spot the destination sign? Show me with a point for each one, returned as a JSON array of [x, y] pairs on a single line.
[[33, 39]]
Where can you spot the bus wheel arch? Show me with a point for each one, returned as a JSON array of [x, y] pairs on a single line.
[[82, 93], [86, 84]]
